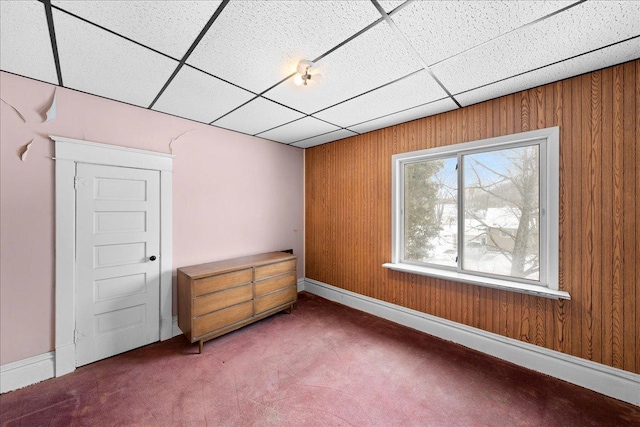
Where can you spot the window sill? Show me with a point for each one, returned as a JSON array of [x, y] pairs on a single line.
[[480, 281]]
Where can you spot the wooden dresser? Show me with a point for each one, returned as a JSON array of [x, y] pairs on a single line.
[[220, 297]]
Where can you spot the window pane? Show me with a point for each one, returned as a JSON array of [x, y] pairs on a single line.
[[430, 212], [502, 212]]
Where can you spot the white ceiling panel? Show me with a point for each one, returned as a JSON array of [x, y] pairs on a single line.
[[588, 26], [237, 75], [414, 90], [404, 116], [375, 58], [168, 26], [257, 44], [321, 139], [198, 96], [390, 5], [103, 64], [258, 116], [593, 61], [441, 29], [26, 46], [300, 129]]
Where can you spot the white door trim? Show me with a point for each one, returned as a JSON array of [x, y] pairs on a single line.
[[68, 153]]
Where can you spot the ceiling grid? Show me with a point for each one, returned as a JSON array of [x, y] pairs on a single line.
[[231, 64], [406, 42], [191, 48], [54, 43]]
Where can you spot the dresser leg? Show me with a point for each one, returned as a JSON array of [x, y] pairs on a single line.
[[200, 343]]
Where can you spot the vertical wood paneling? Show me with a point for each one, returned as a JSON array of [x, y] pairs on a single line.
[[637, 239], [575, 214], [348, 216], [587, 188], [606, 174], [630, 259], [595, 215], [618, 249], [562, 309]]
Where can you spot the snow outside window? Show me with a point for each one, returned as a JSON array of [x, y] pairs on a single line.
[[482, 212]]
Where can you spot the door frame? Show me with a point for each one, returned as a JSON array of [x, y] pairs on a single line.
[[69, 152]]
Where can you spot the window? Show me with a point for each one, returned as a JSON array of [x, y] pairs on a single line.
[[482, 212]]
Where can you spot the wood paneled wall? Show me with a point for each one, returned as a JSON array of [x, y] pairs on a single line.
[[348, 217]]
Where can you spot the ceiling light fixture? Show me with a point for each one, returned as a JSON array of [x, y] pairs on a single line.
[[306, 72]]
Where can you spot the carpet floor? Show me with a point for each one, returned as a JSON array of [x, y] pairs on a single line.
[[323, 365]]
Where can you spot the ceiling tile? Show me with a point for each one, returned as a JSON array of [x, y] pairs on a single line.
[[198, 96], [322, 139], [95, 61], [414, 90], [405, 116], [258, 116], [585, 27], [257, 44], [300, 129], [390, 5], [26, 46], [479, 50], [616, 54], [168, 26], [375, 58], [441, 29]]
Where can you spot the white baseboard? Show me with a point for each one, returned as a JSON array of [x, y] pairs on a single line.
[[613, 382], [28, 371], [603, 379], [176, 330], [35, 369]]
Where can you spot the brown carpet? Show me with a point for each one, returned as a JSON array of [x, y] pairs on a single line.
[[324, 365]]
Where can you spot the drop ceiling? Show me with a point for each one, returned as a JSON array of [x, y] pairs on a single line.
[[230, 64]]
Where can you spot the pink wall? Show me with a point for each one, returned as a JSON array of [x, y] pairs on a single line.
[[233, 195]]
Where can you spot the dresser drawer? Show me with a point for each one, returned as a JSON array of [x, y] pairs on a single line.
[[275, 269], [222, 299], [221, 281], [274, 283], [218, 297], [221, 318], [275, 299]]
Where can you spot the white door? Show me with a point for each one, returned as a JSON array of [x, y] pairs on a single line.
[[117, 266]]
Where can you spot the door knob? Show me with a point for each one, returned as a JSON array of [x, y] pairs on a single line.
[[152, 258]]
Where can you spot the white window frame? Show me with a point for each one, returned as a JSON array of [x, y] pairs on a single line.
[[548, 285]]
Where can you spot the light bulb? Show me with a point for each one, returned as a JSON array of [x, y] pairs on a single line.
[[297, 80], [304, 66]]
